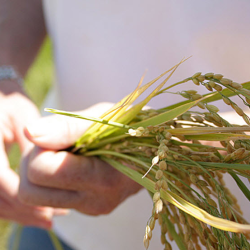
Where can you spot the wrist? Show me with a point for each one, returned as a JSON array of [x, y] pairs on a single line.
[[10, 80]]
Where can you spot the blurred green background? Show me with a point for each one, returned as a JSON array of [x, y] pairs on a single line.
[[37, 84]]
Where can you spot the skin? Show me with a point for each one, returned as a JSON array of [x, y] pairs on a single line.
[[21, 37], [61, 179], [90, 186]]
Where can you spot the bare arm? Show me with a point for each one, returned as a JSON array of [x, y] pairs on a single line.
[[22, 31]]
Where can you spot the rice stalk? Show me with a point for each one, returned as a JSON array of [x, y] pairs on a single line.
[[168, 150]]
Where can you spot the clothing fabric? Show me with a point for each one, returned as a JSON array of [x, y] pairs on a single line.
[[33, 238], [102, 48]]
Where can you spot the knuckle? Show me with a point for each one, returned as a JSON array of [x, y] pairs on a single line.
[[24, 195], [34, 175]]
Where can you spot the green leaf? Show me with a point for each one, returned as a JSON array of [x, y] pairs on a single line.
[[88, 118], [241, 185], [217, 137], [122, 114], [177, 201], [207, 130], [166, 116]]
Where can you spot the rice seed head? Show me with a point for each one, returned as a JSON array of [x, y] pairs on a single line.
[[218, 76], [217, 87], [212, 108], [158, 185], [246, 119], [156, 197], [191, 92], [164, 185], [162, 154], [196, 74], [238, 110], [182, 218], [191, 222], [167, 135], [239, 152], [159, 174], [155, 160], [158, 206], [196, 97], [202, 183], [168, 246], [164, 228], [190, 245], [201, 105], [201, 78], [245, 91], [226, 100], [163, 239], [162, 165], [184, 94], [195, 81], [194, 179], [163, 147], [146, 242], [236, 85], [152, 223], [148, 232], [141, 129], [211, 202], [209, 75], [248, 100], [132, 132], [208, 86], [226, 81], [206, 190], [211, 84]]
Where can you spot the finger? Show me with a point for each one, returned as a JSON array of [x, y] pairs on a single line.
[[55, 132], [72, 172], [40, 216], [12, 209], [9, 180], [32, 194], [21, 119], [3, 156], [58, 132], [107, 187], [28, 217], [10, 206]]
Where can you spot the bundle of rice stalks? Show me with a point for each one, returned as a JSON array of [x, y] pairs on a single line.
[[171, 157]]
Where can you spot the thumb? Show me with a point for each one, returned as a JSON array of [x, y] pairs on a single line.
[[55, 132], [58, 132]]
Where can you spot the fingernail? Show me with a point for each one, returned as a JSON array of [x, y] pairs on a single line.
[[45, 215], [38, 129], [61, 211]]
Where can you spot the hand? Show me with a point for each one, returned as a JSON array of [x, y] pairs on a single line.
[[61, 179], [15, 111]]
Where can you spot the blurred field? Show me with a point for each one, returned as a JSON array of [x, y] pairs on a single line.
[[37, 84]]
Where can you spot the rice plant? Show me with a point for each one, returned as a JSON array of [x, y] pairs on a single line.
[[180, 155]]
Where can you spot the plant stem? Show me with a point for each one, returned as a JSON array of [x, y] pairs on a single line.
[[19, 230], [55, 241]]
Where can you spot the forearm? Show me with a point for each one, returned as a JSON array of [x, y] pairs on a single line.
[[22, 31]]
